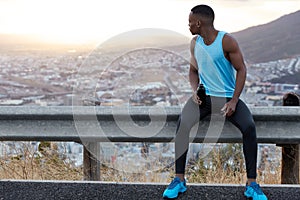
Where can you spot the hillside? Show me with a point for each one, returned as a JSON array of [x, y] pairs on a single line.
[[148, 37], [276, 40]]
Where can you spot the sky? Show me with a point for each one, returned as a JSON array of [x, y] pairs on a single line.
[[83, 21]]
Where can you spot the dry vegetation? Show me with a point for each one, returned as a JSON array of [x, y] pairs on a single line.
[[218, 167], [44, 164]]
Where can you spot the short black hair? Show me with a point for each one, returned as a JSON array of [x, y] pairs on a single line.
[[204, 11]]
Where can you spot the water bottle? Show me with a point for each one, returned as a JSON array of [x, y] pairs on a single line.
[[201, 94]]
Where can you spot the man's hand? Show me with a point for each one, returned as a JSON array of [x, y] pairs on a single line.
[[229, 108], [196, 99]]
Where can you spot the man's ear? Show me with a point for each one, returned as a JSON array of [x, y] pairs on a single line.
[[198, 23]]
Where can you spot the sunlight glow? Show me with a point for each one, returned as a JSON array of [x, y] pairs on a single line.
[[81, 21]]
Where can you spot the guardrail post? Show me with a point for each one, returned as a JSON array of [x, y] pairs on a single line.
[[290, 164], [91, 161], [290, 153]]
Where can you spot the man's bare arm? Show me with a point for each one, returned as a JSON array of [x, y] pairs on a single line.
[[234, 55], [193, 72]]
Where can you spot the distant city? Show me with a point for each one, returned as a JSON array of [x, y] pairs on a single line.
[[149, 76]]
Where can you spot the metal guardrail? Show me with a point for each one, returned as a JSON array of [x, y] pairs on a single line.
[[90, 125]]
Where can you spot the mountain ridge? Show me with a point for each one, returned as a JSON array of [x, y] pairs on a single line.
[[278, 39]]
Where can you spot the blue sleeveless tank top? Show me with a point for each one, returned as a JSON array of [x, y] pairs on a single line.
[[215, 72]]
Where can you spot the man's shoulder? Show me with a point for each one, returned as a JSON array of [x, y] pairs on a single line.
[[229, 40], [193, 42], [229, 43], [194, 39], [228, 36]]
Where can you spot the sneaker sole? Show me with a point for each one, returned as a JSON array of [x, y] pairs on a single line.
[[179, 194]]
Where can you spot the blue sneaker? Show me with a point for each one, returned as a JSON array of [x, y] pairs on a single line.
[[254, 191], [176, 186]]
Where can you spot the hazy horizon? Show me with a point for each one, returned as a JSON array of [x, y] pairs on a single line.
[[91, 21]]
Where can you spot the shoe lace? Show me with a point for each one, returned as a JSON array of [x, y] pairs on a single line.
[[257, 188], [174, 183]]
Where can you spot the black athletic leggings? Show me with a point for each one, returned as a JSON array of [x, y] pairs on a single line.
[[242, 119]]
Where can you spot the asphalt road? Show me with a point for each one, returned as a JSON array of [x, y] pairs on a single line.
[[35, 190]]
